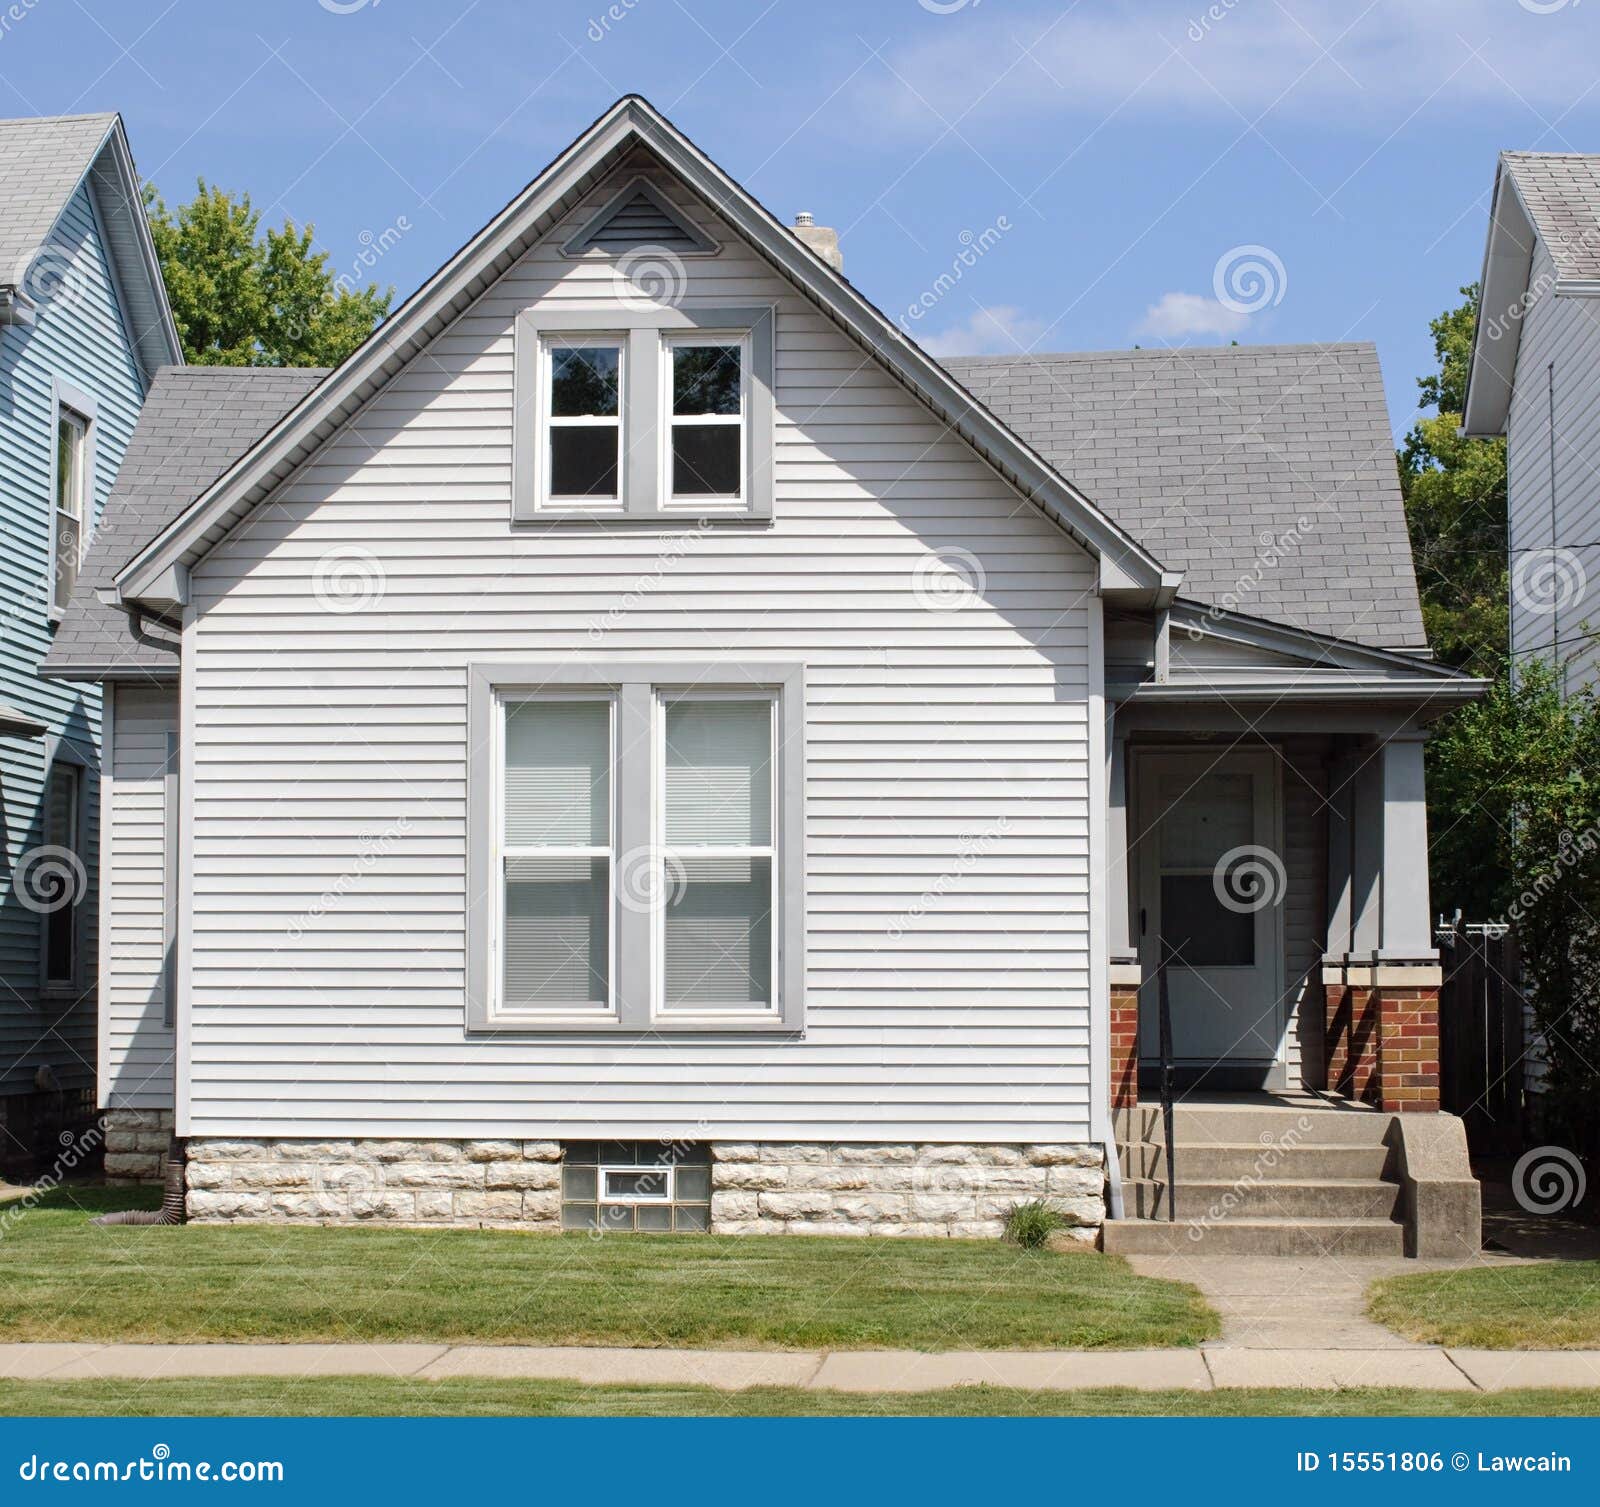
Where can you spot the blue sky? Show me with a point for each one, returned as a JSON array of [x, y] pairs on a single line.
[[1116, 161]]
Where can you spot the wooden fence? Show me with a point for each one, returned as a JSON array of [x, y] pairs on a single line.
[[1481, 1037]]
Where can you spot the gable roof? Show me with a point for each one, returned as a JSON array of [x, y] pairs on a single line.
[[43, 161], [1213, 457], [1549, 199], [196, 421], [158, 573]]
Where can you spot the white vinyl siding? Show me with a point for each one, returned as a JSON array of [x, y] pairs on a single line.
[[946, 764], [1563, 332], [136, 1039]]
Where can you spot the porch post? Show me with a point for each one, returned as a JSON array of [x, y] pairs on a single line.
[[1336, 1000], [1406, 973], [1124, 958]]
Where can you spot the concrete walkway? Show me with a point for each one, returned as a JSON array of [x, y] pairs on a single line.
[[1210, 1368]]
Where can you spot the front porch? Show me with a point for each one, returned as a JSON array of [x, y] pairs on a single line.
[[1268, 876]]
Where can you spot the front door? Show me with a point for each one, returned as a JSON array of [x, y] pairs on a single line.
[[1211, 888]]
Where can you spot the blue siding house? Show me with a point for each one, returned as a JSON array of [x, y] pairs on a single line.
[[84, 325]]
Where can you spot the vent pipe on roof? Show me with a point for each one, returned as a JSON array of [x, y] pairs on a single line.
[[822, 239]]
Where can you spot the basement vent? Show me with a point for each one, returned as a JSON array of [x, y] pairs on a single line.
[[640, 215]]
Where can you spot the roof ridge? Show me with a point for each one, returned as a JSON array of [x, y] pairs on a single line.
[[1154, 351], [49, 120]]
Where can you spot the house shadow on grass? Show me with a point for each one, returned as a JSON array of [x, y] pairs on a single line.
[[1509, 1228]]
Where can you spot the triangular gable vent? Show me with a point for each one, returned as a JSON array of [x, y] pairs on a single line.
[[640, 215]]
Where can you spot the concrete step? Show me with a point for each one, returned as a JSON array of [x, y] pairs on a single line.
[[1309, 1161], [1227, 1125], [1325, 1198], [1255, 1237]]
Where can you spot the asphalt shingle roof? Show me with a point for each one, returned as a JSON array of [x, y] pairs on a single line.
[[196, 421], [1561, 192], [1211, 457], [42, 160]]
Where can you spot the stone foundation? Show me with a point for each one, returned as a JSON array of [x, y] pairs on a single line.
[[815, 1188], [483, 1184], [757, 1188], [136, 1145]]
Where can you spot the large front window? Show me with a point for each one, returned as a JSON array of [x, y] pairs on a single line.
[[635, 839]]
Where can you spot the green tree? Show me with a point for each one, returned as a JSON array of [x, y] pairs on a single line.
[[1455, 498], [244, 298], [1514, 814]]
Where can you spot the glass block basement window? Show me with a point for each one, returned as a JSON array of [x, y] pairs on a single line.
[[648, 1187]]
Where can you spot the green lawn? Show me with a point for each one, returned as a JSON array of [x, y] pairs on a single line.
[[379, 1396], [62, 1278], [1551, 1305]]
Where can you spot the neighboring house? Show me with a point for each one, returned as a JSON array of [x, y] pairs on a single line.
[[1535, 378], [658, 750], [83, 326]]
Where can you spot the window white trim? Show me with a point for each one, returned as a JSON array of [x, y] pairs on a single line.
[[637, 687], [548, 421], [668, 851], [575, 1012], [69, 401], [669, 419]]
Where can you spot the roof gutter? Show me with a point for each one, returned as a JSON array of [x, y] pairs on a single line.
[[17, 309]]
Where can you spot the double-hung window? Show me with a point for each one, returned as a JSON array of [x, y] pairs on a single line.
[[635, 847], [69, 518], [706, 418], [556, 854], [643, 414], [582, 420]]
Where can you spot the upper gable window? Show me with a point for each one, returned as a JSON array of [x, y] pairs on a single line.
[[639, 414], [72, 494], [583, 421], [707, 418]]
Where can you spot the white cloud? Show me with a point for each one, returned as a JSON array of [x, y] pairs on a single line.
[[1178, 316], [1248, 56], [995, 330]]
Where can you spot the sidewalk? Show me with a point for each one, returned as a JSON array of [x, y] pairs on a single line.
[[1207, 1369]]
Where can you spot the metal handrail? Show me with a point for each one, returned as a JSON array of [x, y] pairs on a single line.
[[1164, 1004]]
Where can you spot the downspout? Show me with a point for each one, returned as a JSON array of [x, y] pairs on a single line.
[[172, 1197]]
